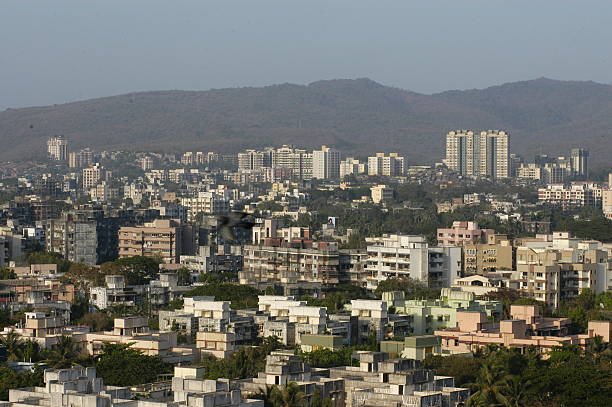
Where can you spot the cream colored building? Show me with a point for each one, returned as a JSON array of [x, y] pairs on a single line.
[[381, 193], [386, 165], [164, 238], [478, 155], [92, 175]]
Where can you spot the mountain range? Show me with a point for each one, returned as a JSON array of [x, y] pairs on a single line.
[[357, 116]]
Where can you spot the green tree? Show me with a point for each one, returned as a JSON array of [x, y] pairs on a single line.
[[490, 385], [267, 394], [138, 270], [120, 365], [63, 353], [13, 342], [290, 395]]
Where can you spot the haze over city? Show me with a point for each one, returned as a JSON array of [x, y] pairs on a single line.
[[61, 51]]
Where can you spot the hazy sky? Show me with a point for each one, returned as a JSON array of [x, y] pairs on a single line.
[[54, 51]]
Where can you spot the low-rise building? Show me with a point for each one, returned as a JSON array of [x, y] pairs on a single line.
[[379, 381], [425, 316], [381, 193], [526, 328], [462, 233]]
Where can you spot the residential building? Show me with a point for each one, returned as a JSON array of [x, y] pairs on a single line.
[[381, 193], [84, 235], [462, 233], [559, 267], [146, 163], [298, 161], [116, 292], [206, 202], [80, 159], [411, 256], [427, 316], [372, 319], [527, 328], [575, 194], [579, 160], [325, 163], [478, 155], [493, 159], [606, 202], [386, 165], [254, 160], [57, 148], [283, 368], [497, 253], [79, 386], [164, 238], [92, 175], [297, 263], [380, 381], [352, 166]]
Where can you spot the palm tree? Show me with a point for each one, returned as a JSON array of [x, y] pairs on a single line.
[[290, 396], [490, 386], [516, 388], [267, 394], [31, 351], [64, 352], [12, 342]]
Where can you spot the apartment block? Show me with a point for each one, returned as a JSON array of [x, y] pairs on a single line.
[[352, 166], [380, 381], [386, 165], [462, 233], [80, 159], [496, 254], [427, 316], [165, 238], [290, 261], [558, 268], [92, 175], [478, 155], [207, 203], [325, 163], [381, 193], [411, 256], [527, 328], [575, 194], [57, 148]]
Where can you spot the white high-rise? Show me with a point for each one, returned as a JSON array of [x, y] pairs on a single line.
[[388, 165], [474, 155], [325, 163], [493, 150], [298, 160], [580, 162], [57, 148]]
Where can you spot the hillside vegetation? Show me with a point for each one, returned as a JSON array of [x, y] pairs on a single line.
[[357, 116]]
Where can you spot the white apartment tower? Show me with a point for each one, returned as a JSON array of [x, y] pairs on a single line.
[[474, 155], [494, 154], [388, 165], [579, 162], [254, 160], [298, 160], [57, 148], [325, 163], [92, 175]]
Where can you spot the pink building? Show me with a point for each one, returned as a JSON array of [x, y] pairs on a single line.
[[526, 328], [463, 232]]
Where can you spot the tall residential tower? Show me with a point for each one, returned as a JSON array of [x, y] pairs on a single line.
[[478, 155]]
